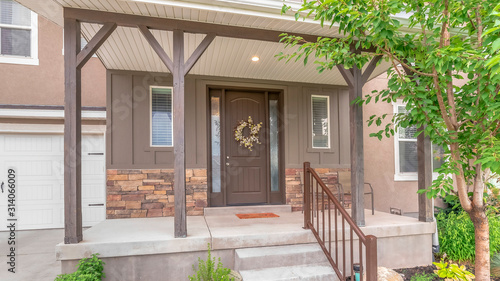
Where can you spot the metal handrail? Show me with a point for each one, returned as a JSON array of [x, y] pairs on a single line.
[[314, 208]]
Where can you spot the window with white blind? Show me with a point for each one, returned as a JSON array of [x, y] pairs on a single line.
[[320, 109], [18, 34], [161, 116], [406, 151]]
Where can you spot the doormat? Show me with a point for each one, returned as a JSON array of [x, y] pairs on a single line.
[[256, 216]]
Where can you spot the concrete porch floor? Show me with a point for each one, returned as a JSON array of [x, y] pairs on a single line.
[[402, 241]]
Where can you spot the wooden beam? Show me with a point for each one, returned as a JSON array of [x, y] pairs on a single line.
[[198, 52], [370, 68], [128, 20], [158, 48], [424, 153], [357, 151], [347, 74], [94, 44], [72, 134], [180, 226]]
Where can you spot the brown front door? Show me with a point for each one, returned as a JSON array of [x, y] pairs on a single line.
[[246, 170]]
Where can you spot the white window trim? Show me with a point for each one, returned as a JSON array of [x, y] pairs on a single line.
[[33, 60], [151, 115], [312, 121], [400, 176]]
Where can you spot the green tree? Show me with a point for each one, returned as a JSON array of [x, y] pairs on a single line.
[[438, 50]]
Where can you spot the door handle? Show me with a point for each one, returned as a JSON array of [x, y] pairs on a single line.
[[97, 204]]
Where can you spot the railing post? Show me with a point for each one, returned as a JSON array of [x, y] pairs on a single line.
[[307, 206], [371, 258]]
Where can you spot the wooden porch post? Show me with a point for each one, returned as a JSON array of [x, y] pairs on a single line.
[[355, 80], [357, 150], [72, 134], [424, 148], [179, 69], [179, 150]]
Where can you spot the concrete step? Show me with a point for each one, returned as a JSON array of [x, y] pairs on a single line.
[[309, 272], [224, 211], [278, 256]]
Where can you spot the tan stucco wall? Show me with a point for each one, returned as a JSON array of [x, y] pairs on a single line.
[[43, 84], [379, 159]]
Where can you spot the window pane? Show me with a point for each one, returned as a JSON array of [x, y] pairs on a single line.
[[15, 42], [273, 139], [161, 116], [14, 13], [320, 126], [408, 161], [215, 119], [406, 133], [437, 156]]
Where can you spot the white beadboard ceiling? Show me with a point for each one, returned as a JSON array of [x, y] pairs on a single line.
[[126, 48]]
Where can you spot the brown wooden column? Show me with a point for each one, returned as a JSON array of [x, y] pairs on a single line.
[[179, 143], [179, 70], [72, 134], [357, 149], [424, 148], [355, 79]]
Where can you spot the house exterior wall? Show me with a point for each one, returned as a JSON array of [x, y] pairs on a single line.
[[380, 160], [129, 127], [141, 173], [43, 84]]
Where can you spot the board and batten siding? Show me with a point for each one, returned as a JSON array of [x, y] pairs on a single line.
[[128, 122]]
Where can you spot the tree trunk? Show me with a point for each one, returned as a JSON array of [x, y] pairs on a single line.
[[482, 239]]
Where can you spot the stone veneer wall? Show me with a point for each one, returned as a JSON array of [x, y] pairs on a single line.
[[135, 193], [294, 181]]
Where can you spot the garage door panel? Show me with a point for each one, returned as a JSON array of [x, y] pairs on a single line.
[[39, 164], [92, 215], [38, 192], [33, 168], [32, 217], [92, 192], [38, 144]]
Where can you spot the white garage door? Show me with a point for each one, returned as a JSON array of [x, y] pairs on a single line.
[[39, 166]]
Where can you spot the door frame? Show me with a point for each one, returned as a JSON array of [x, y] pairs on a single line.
[[219, 199]]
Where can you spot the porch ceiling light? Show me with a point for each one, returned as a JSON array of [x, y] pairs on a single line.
[[255, 58]]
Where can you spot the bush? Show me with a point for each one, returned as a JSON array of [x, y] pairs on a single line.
[[208, 272], [495, 265], [452, 272], [89, 269], [456, 235]]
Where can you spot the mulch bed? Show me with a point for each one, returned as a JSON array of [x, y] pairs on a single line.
[[408, 273]]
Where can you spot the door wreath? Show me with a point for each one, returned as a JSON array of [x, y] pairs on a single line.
[[254, 133]]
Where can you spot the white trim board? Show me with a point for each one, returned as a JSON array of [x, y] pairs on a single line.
[[48, 129], [47, 113]]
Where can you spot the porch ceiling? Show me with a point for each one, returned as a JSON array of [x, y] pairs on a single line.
[[126, 48]]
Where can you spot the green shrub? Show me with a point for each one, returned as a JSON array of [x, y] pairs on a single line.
[[89, 269], [495, 265], [452, 272], [456, 235], [208, 272]]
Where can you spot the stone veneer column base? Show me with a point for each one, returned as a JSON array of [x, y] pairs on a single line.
[[294, 184], [134, 193]]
